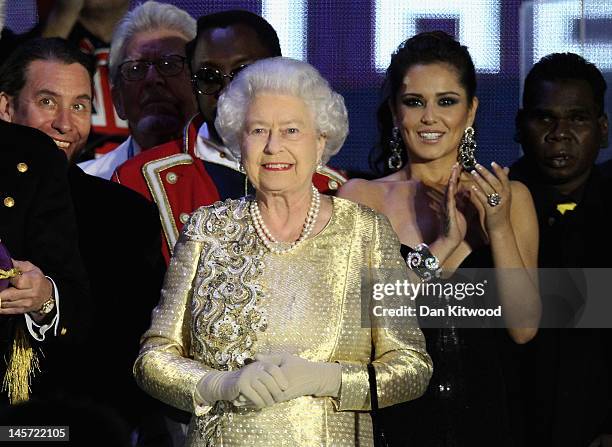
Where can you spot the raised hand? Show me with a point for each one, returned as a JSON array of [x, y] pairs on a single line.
[[493, 193], [453, 225]]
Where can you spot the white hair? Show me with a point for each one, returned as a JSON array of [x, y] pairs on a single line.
[[149, 16], [284, 76]]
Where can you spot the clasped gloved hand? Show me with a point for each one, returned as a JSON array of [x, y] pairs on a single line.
[[258, 384], [306, 378]]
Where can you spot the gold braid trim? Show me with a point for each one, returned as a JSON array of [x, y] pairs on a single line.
[[6, 274], [20, 368]]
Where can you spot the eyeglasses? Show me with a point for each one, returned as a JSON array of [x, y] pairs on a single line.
[[208, 80], [166, 66]]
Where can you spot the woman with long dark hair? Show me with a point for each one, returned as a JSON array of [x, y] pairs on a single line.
[[453, 213]]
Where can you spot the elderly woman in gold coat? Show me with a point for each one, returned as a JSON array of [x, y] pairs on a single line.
[[259, 331]]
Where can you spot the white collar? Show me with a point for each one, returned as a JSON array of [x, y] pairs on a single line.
[[209, 151]]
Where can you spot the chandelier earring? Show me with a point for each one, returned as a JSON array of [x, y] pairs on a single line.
[[467, 148], [395, 159]]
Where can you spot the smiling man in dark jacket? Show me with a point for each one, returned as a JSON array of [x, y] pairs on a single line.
[[47, 84]]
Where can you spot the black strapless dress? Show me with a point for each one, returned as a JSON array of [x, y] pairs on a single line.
[[466, 403]]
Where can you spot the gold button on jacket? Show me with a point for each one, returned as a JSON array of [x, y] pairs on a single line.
[[171, 178]]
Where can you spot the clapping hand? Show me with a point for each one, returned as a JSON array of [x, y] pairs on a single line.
[[492, 195], [453, 225], [450, 212]]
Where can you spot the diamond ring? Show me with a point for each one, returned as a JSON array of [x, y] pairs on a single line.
[[493, 199]]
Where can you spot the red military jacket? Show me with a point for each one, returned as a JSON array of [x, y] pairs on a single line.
[[176, 180]]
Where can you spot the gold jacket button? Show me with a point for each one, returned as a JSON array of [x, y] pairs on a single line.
[[22, 167], [184, 217], [9, 202], [332, 184], [63, 331], [222, 154], [171, 178]]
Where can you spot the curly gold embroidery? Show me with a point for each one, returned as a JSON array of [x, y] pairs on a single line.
[[226, 311]]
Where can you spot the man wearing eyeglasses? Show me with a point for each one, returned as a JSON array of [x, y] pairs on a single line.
[[198, 169], [149, 81]]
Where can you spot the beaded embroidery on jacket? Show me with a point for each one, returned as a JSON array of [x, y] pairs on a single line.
[[226, 311]]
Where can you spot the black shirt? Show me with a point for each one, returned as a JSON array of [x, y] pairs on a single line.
[[566, 392]]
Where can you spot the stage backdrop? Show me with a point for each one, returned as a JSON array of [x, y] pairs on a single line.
[[350, 42]]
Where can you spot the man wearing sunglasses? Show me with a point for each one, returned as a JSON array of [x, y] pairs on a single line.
[[149, 81], [198, 169]]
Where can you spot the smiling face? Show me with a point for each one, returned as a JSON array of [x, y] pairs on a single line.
[[432, 110], [55, 99], [156, 107], [561, 130], [280, 144]]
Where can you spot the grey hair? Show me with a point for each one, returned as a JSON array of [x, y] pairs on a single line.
[[284, 76], [149, 16]]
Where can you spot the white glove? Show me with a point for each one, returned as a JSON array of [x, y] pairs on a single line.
[[262, 383], [306, 378]]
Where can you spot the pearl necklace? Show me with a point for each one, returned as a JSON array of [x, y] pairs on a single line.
[[266, 237]]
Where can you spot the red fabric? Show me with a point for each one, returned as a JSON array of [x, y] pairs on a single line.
[[105, 120], [192, 189]]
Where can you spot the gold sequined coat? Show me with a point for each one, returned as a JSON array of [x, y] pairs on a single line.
[[226, 298]]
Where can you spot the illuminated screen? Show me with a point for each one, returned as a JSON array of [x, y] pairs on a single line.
[[351, 41]]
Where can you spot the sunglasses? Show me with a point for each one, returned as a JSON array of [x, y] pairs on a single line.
[[208, 80], [166, 66]]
